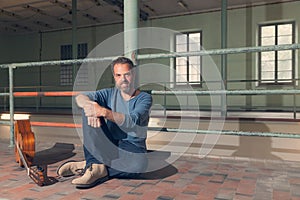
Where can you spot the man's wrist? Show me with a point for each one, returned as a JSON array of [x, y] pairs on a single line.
[[105, 113]]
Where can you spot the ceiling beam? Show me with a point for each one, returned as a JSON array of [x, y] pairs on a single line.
[[21, 27], [149, 8], [36, 10], [42, 24], [10, 14], [97, 2], [14, 27], [69, 8], [41, 12], [61, 4], [182, 4], [64, 20], [91, 17]]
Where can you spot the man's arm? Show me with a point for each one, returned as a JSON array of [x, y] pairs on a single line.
[[93, 111], [81, 100]]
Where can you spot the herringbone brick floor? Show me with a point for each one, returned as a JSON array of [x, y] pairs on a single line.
[[188, 178]]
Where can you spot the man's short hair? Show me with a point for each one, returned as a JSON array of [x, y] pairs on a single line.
[[121, 60]]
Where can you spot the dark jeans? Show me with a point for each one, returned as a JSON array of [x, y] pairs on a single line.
[[122, 158]]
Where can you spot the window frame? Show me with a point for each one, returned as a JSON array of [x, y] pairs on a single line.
[[188, 83], [82, 52], [276, 81]]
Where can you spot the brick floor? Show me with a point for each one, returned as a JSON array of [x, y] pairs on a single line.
[[194, 179]]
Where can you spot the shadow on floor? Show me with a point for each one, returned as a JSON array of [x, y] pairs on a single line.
[[158, 167], [37, 171], [257, 147], [59, 152]]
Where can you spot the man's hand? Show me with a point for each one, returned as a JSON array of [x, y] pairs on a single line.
[[92, 109], [94, 122]]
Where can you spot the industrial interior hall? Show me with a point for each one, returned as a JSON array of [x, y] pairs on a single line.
[[201, 97]]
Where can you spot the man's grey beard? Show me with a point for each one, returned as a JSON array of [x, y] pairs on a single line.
[[126, 90]]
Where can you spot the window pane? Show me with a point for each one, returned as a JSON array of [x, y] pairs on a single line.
[[195, 37], [267, 66], [268, 56], [181, 61], [194, 42], [181, 69], [188, 68], [285, 40], [66, 71], [195, 78], [267, 75], [194, 69], [285, 55], [265, 41], [285, 29], [268, 31], [66, 74], [66, 52], [194, 73], [82, 50], [82, 77], [194, 47], [194, 60], [181, 48], [181, 39], [285, 65], [285, 75], [181, 78]]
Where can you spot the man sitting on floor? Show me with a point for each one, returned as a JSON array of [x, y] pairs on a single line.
[[115, 124]]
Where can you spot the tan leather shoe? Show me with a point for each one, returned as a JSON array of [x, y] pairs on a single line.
[[93, 175], [71, 168]]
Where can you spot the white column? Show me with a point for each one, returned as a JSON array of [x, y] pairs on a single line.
[[131, 21]]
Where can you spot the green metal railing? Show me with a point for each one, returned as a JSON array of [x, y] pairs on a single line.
[[12, 66]]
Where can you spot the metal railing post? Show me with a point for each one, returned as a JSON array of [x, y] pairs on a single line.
[[5, 100], [11, 106], [294, 103], [165, 103], [224, 57]]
